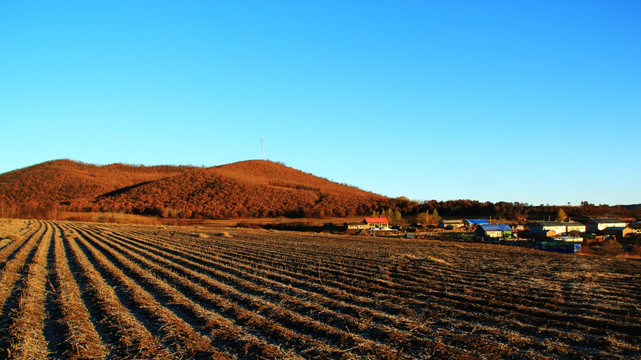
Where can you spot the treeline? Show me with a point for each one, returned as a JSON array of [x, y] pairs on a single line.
[[237, 200], [223, 199], [509, 210]]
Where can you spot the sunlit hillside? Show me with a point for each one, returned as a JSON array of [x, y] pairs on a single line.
[[75, 183], [245, 189]]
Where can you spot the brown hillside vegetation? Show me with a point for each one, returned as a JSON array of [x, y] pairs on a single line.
[[73, 290], [66, 181], [245, 189]]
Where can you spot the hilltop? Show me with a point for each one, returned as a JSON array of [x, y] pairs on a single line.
[[254, 188]]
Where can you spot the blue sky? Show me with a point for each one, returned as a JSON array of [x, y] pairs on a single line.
[[530, 101]]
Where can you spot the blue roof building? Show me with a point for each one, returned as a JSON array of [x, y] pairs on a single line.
[[493, 230], [496, 227], [474, 222]]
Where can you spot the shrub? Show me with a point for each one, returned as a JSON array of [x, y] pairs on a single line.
[[611, 248]]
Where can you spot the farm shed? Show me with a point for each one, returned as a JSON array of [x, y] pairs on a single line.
[[556, 226], [376, 222], [600, 224], [453, 223], [493, 230], [618, 231], [541, 234], [575, 227]]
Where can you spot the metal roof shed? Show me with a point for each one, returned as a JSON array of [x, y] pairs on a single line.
[[494, 230], [496, 227], [471, 222]]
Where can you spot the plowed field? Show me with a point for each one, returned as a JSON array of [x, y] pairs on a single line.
[[84, 291]]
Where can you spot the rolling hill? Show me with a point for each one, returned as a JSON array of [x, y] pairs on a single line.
[[254, 188]]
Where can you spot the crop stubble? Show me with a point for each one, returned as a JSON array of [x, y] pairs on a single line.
[[87, 291]]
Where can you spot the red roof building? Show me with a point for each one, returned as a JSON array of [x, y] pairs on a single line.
[[377, 222]]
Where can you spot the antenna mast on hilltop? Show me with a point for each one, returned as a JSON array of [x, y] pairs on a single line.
[[261, 148]]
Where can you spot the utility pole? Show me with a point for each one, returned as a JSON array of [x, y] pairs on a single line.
[[261, 148]]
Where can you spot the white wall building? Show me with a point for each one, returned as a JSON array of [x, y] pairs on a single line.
[[600, 224]]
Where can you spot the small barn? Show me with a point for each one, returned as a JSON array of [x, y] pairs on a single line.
[[493, 231]]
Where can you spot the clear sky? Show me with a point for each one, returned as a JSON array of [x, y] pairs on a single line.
[[530, 101]]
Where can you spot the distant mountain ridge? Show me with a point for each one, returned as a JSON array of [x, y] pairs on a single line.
[[253, 188]]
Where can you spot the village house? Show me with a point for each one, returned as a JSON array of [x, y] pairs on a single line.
[[368, 223], [599, 224], [493, 231], [376, 222], [451, 223]]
